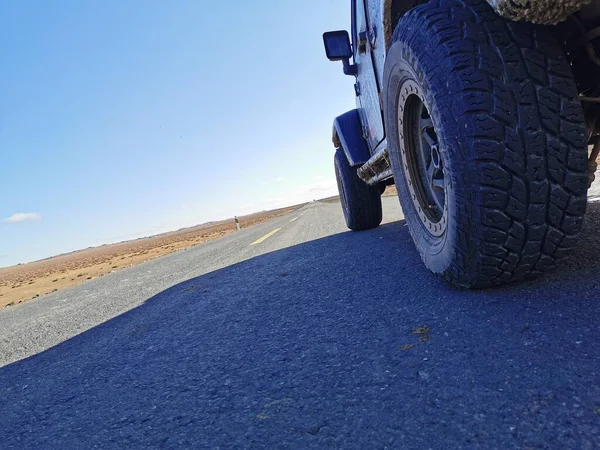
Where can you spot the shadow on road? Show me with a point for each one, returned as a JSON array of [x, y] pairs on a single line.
[[317, 345]]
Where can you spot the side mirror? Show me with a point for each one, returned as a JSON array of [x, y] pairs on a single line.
[[338, 48]]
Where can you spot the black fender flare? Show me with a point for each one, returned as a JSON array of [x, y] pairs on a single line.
[[347, 133]]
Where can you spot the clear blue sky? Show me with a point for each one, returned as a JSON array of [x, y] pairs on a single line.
[[120, 119]]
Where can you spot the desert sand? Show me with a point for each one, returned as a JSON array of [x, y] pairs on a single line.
[[27, 281]]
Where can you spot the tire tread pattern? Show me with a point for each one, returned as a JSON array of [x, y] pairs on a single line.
[[521, 169]]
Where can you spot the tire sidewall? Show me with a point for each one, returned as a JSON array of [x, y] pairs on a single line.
[[437, 252]]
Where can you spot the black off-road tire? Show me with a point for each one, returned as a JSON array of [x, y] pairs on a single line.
[[504, 105], [361, 203]]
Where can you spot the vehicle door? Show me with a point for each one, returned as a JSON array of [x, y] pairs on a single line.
[[364, 38]]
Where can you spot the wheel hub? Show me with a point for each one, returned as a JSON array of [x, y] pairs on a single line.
[[422, 159]]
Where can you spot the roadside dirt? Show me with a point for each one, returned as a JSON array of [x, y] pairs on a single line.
[[27, 281], [390, 191]]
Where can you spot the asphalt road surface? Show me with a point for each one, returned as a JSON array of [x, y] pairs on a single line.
[[297, 333]]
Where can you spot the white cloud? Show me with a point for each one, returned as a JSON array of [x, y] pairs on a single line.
[[22, 217], [321, 187]]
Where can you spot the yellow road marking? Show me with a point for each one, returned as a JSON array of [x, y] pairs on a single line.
[[266, 236], [294, 219]]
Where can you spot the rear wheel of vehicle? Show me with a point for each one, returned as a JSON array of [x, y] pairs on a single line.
[[486, 140], [361, 203]]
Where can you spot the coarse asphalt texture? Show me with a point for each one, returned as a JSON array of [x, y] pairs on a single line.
[[314, 337]]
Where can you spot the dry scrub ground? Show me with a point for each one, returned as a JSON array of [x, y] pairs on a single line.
[[390, 191], [27, 281]]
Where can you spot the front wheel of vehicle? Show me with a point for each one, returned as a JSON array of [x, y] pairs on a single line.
[[361, 203]]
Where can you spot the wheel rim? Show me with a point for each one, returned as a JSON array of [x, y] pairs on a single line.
[[422, 160]]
